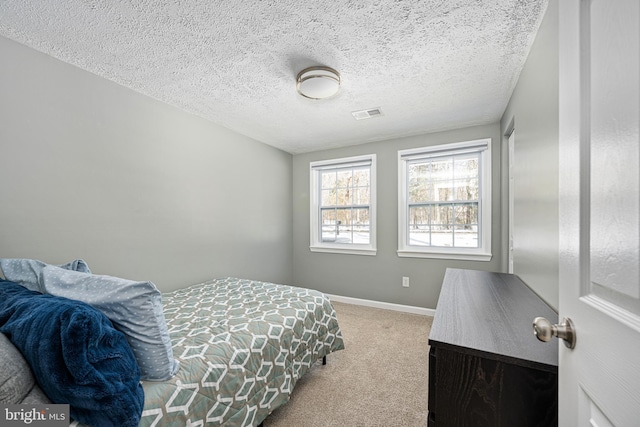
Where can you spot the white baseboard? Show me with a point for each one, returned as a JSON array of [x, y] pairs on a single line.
[[384, 305]]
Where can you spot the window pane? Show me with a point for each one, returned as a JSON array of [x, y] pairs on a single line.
[[419, 216], [361, 217], [328, 198], [421, 192], [442, 230], [360, 226], [361, 177], [343, 197], [442, 235], [466, 237], [419, 225], [420, 185], [328, 179], [443, 214], [361, 236], [344, 226], [343, 216], [329, 225], [466, 189], [361, 196], [445, 192], [442, 169], [419, 171], [344, 178], [420, 236], [466, 166], [466, 214]]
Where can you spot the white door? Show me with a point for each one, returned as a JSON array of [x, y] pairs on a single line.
[[599, 380]]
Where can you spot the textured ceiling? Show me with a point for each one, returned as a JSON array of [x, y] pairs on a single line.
[[429, 65]]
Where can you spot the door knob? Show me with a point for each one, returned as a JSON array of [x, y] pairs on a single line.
[[545, 330]]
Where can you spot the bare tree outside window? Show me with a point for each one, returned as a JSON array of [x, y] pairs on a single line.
[[345, 205], [443, 201]]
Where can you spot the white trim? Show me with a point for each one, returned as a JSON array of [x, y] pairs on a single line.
[[511, 149], [365, 159], [383, 305], [349, 249], [461, 147], [434, 253]]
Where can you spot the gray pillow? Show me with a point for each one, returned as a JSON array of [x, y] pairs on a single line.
[[27, 272], [17, 384], [134, 308]]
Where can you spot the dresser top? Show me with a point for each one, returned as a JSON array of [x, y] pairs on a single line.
[[491, 314]]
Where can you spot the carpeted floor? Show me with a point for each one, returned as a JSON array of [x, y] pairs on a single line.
[[380, 379]]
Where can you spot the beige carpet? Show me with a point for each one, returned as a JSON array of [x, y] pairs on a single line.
[[380, 379]]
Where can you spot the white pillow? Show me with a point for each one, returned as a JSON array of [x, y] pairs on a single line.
[[27, 271], [135, 308]]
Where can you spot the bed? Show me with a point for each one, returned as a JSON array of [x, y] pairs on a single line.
[[241, 346]]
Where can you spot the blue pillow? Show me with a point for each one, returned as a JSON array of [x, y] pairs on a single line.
[[135, 308], [76, 355], [27, 271]]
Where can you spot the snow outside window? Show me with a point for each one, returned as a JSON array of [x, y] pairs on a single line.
[[343, 205]]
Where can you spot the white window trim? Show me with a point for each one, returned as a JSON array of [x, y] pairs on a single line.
[[316, 245], [482, 253]]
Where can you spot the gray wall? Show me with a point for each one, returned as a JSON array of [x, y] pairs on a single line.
[[139, 189], [379, 277], [533, 110]]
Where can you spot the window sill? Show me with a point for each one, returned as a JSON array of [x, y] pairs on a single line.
[[457, 255], [344, 250]]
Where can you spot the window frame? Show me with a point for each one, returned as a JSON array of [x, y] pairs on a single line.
[[316, 243], [483, 251]]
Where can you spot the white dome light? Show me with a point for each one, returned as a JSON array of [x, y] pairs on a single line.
[[318, 82]]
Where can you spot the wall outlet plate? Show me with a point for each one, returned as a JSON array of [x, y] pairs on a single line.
[[405, 282]]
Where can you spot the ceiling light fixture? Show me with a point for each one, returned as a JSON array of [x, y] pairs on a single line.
[[318, 82]]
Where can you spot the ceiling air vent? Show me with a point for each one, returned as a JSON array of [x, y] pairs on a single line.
[[367, 114]]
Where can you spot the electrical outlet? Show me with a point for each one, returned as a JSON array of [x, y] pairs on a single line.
[[405, 282]]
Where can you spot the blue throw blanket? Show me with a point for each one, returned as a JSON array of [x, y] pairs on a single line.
[[76, 355]]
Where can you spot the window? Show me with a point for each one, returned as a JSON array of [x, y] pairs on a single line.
[[343, 205], [444, 201]]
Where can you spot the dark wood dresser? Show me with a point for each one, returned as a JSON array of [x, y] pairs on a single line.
[[486, 367]]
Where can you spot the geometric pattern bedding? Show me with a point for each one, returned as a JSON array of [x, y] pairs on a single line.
[[242, 345]]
